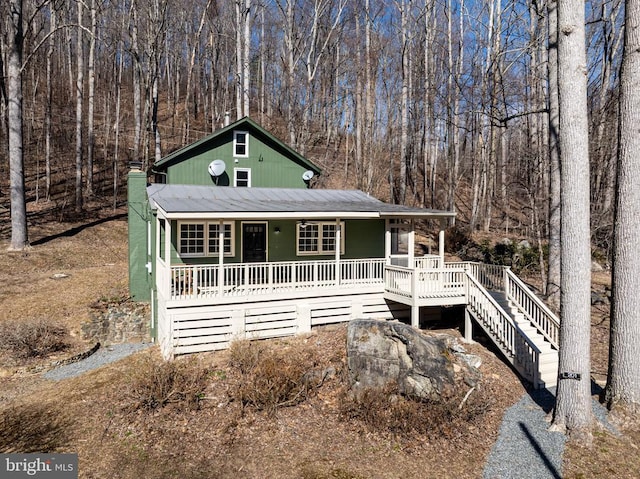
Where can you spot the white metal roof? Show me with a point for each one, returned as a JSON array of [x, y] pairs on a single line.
[[192, 201]]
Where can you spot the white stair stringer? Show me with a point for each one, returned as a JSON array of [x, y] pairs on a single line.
[[519, 340]]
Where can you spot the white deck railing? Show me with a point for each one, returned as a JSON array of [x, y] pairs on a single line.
[[431, 261], [532, 307], [244, 279], [424, 282], [517, 347]]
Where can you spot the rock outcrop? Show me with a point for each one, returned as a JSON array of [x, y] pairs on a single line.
[[423, 367]]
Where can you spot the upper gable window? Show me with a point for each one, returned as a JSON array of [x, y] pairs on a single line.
[[241, 143], [242, 177]]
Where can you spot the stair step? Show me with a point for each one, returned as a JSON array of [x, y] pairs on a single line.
[[547, 373], [548, 359], [546, 369]]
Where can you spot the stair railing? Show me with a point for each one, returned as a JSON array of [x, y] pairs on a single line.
[[532, 307], [514, 344]]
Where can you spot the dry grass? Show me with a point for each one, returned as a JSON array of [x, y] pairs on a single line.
[[37, 338], [269, 379], [157, 384], [117, 435], [387, 411]]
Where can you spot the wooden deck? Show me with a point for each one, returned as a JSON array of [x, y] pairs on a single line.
[[204, 307]]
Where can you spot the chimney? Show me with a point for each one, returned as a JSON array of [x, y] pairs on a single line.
[[227, 118], [138, 218]]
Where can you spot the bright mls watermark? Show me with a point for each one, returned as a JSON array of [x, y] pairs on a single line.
[[50, 466]]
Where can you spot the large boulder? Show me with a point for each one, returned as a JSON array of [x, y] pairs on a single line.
[[380, 353]]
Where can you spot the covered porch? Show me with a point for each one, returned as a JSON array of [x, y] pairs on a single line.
[[399, 275], [229, 260]]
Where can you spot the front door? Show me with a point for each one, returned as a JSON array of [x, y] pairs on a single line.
[[254, 242]]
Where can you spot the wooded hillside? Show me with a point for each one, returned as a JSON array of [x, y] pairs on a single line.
[[436, 103]]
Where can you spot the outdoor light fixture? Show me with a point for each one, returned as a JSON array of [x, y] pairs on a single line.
[[276, 229]]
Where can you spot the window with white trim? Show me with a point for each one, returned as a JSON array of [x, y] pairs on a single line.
[[241, 144], [202, 238], [242, 177], [318, 238], [214, 238]]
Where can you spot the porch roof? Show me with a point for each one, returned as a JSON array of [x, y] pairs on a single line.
[[193, 201]]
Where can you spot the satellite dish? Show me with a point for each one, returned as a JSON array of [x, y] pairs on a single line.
[[216, 167], [307, 175]]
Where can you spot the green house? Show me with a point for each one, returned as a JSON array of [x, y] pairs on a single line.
[[231, 240]]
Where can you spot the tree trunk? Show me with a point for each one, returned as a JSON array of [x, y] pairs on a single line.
[[91, 97], [116, 127], [48, 106], [137, 80], [623, 387], [573, 405], [404, 106], [19, 238], [553, 274], [79, 98], [246, 58], [239, 51]]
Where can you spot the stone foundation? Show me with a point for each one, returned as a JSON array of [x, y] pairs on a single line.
[[118, 323]]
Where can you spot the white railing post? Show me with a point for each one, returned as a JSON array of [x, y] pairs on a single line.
[[220, 258], [414, 284], [220, 279], [195, 270], [505, 282], [441, 239], [338, 243]]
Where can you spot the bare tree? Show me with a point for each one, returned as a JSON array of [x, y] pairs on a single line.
[[79, 105], [573, 406], [137, 80], [19, 237], [553, 274], [623, 386], [48, 101], [91, 67]]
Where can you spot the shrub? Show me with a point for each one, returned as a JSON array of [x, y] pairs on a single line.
[[269, 378], [385, 410], [32, 339], [158, 383], [520, 257]]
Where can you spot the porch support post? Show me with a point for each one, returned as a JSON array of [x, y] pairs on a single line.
[[468, 327], [338, 248], [412, 245], [443, 225], [221, 258], [158, 264], [415, 316], [166, 285], [387, 241]]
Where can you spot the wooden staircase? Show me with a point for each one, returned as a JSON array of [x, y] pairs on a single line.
[[517, 321]]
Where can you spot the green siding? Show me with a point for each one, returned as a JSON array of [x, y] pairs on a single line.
[[138, 215], [269, 164], [364, 239]]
